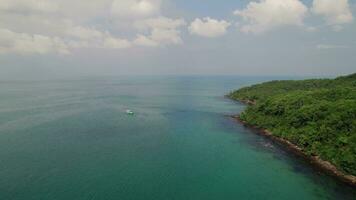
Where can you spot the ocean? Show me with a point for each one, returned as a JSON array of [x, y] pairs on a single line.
[[72, 139]]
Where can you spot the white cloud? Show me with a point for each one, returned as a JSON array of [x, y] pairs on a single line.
[[163, 31], [115, 43], [311, 29], [166, 36], [331, 46], [159, 23], [337, 28], [135, 8], [84, 33], [334, 11], [268, 14], [22, 43], [80, 37], [83, 10], [59, 26], [28, 5], [208, 27], [142, 40], [90, 37]]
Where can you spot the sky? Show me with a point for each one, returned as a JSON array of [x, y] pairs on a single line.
[[68, 38]]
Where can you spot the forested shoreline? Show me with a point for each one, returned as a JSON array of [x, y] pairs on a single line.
[[317, 115]]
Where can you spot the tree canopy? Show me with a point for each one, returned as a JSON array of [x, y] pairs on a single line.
[[317, 115]]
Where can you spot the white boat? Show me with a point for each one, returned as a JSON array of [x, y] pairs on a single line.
[[129, 112]]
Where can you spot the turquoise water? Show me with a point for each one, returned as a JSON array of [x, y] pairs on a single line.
[[72, 139]]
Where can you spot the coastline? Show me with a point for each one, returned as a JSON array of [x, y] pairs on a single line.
[[316, 161]]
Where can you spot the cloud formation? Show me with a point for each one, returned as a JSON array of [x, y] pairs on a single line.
[[81, 37], [208, 27], [92, 38], [159, 37], [330, 46], [162, 30], [135, 8], [142, 40], [59, 26], [265, 15], [28, 5], [50, 26], [22, 43], [334, 11]]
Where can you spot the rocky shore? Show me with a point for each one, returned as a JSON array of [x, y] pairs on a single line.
[[316, 161]]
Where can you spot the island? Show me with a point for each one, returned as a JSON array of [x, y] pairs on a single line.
[[315, 118]]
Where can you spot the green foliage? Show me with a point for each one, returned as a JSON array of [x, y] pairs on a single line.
[[317, 115]]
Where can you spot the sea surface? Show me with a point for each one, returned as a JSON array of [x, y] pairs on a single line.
[[72, 140]]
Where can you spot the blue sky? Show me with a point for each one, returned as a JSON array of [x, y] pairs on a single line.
[[53, 38]]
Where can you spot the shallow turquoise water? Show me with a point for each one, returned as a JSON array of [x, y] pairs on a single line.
[[71, 139]]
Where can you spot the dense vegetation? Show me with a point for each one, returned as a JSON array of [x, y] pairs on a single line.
[[317, 115]]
